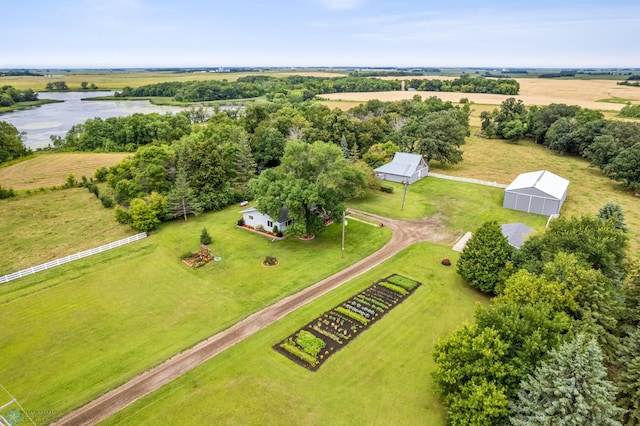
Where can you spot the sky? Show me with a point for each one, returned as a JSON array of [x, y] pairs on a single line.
[[319, 33]]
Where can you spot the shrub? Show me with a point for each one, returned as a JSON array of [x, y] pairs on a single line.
[[275, 229], [205, 238], [387, 189], [71, 181], [270, 260], [122, 216], [6, 193], [107, 202], [101, 174], [240, 222]]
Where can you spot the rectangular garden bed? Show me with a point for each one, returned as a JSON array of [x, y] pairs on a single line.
[[311, 345]]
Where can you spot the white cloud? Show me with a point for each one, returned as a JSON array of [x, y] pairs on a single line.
[[342, 4]]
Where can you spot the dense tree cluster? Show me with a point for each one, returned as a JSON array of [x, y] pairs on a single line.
[[10, 96], [630, 111], [57, 85], [468, 84], [567, 312], [11, 144], [612, 146]]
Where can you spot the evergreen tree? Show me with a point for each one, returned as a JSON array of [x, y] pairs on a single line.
[[205, 238], [569, 389], [181, 200], [344, 147], [484, 256], [613, 212], [628, 379], [244, 164]]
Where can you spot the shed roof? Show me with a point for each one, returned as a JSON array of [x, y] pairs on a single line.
[[515, 233], [403, 164], [542, 180], [282, 217]]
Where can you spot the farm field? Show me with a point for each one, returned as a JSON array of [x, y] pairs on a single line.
[[52, 224], [594, 94], [367, 382], [73, 332], [106, 80], [51, 169]]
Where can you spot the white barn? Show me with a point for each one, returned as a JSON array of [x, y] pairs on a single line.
[[540, 192], [252, 217], [403, 167]]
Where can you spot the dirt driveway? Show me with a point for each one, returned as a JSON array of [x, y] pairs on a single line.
[[404, 234]]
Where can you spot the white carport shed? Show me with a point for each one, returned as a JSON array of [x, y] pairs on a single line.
[[540, 192], [404, 167]]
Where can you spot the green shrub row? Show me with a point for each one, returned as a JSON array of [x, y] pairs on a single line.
[[362, 320], [310, 343], [393, 287], [291, 347], [387, 189], [404, 282]]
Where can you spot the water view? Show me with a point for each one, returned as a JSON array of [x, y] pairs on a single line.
[[57, 118]]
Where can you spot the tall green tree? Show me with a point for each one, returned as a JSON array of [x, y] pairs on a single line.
[[311, 182], [11, 144], [181, 200], [244, 165], [437, 136], [484, 257], [570, 388], [628, 377]]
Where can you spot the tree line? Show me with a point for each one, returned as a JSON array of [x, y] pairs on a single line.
[[10, 95], [211, 164], [468, 84], [559, 344], [612, 146]]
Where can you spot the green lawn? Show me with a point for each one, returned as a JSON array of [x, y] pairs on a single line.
[[462, 206], [76, 331], [383, 377]]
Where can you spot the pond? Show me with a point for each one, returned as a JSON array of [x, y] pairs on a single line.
[[56, 119]]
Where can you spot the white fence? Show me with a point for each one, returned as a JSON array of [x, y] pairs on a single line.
[[461, 179], [63, 260]]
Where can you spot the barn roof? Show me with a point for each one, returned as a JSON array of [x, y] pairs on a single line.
[[542, 180], [403, 164]]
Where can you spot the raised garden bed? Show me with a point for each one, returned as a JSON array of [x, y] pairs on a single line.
[[311, 345], [201, 258]]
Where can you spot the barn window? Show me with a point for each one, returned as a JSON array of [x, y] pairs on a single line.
[[270, 223]]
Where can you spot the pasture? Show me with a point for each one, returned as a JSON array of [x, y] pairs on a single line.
[[49, 170], [382, 377], [52, 224], [71, 333]]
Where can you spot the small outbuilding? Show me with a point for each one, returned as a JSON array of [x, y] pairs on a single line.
[[404, 167], [540, 192], [254, 218], [516, 233]]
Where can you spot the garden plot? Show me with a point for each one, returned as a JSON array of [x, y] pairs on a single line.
[[311, 345]]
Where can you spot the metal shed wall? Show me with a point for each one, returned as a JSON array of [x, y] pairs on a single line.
[[532, 203]]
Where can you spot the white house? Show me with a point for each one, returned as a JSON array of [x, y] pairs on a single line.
[[252, 217], [403, 167]]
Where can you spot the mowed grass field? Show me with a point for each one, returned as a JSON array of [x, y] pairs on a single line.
[[52, 224], [383, 377], [71, 333], [52, 169]]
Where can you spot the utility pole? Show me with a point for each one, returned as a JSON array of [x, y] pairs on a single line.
[[344, 225], [405, 183]]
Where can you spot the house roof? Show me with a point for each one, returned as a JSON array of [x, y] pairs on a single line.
[[282, 217], [542, 180], [403, 164], [515, 233]]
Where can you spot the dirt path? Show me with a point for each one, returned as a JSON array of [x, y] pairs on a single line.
[[404, 234]]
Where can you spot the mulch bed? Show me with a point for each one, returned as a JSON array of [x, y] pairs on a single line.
[[340, 325]]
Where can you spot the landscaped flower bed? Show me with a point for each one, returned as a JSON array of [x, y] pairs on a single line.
[[201, 258], [314, 343]]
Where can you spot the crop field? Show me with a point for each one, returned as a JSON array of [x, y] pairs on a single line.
[[71, 333], [106, 80], [48, 170], [364, 383], [542, 91]]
